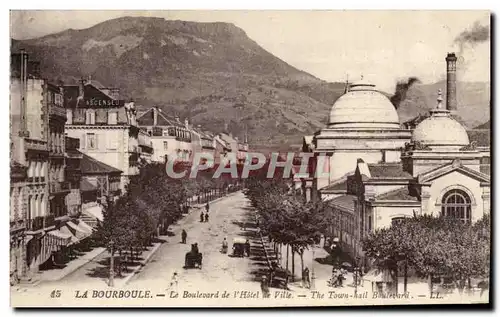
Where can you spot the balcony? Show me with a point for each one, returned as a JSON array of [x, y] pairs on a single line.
[[35, 145], [41, 222], [58, 187], [55, 111], [36, 179], [49, 221], [36, 224], [17, 225]]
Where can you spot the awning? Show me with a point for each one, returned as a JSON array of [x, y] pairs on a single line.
[[80, 232], [85, 226], [66, 230], [377, 275], [61, 238], [94, 212]]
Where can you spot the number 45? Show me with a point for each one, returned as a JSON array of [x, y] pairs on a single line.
[[55, 294]]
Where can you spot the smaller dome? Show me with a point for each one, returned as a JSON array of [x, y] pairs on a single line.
[[440, 129]]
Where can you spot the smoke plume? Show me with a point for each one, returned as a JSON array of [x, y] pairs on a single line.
[[476, 34], [401, 90]]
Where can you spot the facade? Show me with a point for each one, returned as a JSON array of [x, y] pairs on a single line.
[[238, 149], [29, 150], [105, 125], [203, 142], [392, 173], [169, 137], [73, 175], [145, 146], [58, 186]]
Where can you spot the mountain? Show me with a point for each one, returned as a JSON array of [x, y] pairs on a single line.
[[211, 73], [204, 71], [473, 101]]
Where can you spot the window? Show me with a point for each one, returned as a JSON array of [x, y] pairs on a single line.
[[69, 116], [397, 220], [112, 117], [90, 117], [91, 141], [456, 204], [165, 145]]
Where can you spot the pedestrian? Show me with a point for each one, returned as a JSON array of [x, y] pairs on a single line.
[[184, 236], [206, 217], [201, 216], [264, 286], [207, 207], [174, 282], [306, 282]]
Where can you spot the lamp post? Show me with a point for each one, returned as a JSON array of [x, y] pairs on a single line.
[[111, 264]]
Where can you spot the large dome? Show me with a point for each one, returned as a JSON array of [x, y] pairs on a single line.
[[440, 129], [363, 107]]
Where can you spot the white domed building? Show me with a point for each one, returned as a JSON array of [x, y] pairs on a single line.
[[376, 173]]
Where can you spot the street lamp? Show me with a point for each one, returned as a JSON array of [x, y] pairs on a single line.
[[111, 265]]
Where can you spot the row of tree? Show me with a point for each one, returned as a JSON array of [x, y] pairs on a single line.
[[152, 202], [284, 215], [431, 247]]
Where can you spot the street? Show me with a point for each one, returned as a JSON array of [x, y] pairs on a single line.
[[226, 217]]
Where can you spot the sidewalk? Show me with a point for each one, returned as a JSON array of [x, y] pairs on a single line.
[[71, 266]]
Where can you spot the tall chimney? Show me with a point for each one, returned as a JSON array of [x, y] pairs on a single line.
[[451, 82]]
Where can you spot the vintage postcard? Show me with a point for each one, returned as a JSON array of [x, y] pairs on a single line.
[[249, 158]]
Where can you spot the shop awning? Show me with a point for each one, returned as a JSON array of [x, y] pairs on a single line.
[[85, 226], [66, 230], [61, 238], [79, 231], [94, 212]]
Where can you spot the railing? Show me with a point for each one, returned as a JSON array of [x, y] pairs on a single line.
[[35, 145], [36, 179], [17, 225], [36, 224], [41, 222], [57, 111], [49, 221]]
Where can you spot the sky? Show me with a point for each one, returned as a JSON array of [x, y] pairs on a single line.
[[381, 46]]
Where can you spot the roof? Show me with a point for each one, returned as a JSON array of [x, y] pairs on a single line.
[[480, 136], [90, 165], [363, 106], [146, 119], [86, 186], [397, 194], [388, 171], [345, 202], [336, 186]]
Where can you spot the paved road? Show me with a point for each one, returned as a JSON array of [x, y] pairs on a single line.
[[220, 270]]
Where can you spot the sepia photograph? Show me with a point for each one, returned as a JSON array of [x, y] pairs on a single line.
[[250, 158]]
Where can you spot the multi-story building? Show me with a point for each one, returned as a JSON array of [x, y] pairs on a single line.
[[29, 150], [58, 186], [18, 175], [238, 148], [145, 146], [105, 125], [203, 142], [170, 138], [73, 175]]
